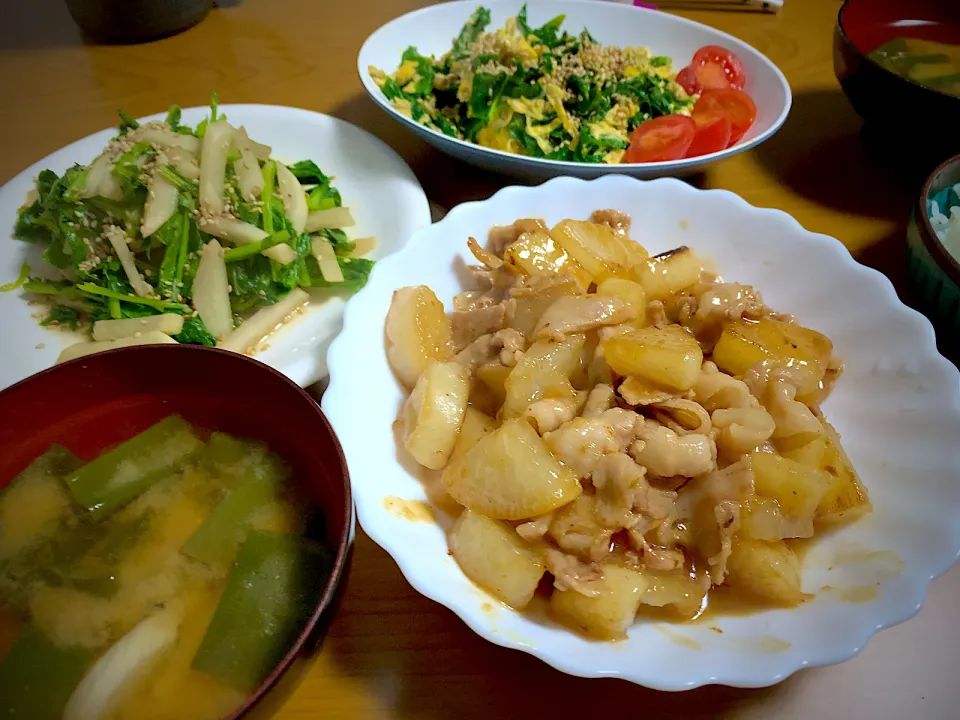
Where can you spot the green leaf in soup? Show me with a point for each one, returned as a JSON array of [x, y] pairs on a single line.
[[470, 32]]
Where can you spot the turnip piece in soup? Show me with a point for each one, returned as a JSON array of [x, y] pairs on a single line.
[[115, 674]]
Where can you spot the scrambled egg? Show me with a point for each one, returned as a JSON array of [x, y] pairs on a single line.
[[496, 135], [555, 97], [511, 44]]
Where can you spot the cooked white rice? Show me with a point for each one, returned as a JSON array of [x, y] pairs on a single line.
[[947, 227]]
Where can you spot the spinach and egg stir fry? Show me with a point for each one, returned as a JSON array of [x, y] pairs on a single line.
[[540, 92], [138, 233]]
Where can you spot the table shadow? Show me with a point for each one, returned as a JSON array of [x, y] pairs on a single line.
[[826, 153], [419, 660], [446, 181]]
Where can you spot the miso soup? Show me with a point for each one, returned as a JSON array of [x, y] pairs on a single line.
[[165, 578], [933, 64]]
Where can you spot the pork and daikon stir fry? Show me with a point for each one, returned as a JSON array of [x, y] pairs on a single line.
[[165, 578], [190, 235], [620, 430]]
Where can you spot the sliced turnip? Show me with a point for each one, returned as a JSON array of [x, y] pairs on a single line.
[[118, 240], [166, 139], [241, 233], [327, 260], [211, 291], [260, 151], [109, 186], [264, 321], [168, 323], [213, 165], [98, 168], [283, 254], [236, 231], [294, 199], [114, 676], [362, 246], [249, 175], [185, 163], [151, 337], [338, 217], [160, 205]]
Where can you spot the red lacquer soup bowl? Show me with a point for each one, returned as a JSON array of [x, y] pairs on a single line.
[[95, 402], [879, 95]]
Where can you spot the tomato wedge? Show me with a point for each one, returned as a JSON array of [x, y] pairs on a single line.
[[663, 138], [687, 79], [713, 134], [714, 65], [735, 105]]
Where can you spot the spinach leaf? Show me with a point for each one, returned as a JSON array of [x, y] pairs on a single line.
[[485, 96], [194, 332], [307, 172], [424, 84], [173, 120], [355, 273], [470, 32], [127, 123], [61, 315]]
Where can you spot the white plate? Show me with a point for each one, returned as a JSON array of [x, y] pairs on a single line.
[[897, 406], [383, 193], [432, 30]]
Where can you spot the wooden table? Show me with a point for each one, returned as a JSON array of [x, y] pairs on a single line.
[[391, 652]]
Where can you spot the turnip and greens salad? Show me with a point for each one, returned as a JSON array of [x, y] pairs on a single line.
[[190, 235]]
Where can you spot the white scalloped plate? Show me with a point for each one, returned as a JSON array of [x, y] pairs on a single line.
[[897, 407], [376, 184]]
